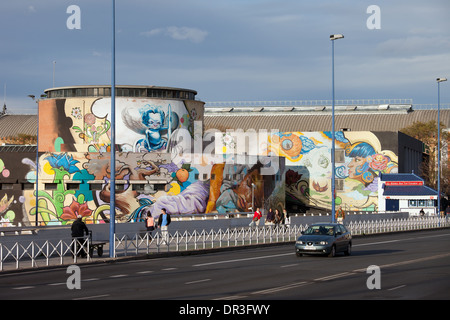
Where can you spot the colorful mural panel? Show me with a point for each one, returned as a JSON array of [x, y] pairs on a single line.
[[72, 184], [142, 125], [359, 158]]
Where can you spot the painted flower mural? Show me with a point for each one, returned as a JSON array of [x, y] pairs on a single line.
[[62, 165], [74, 210]]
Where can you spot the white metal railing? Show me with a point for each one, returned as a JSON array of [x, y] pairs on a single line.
[[286, 103], [58, 252], [42, 253], [397, 225], [198, 240]]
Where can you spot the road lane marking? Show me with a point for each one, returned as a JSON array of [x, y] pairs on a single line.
[[231, 298], [118, 276], [169, 269], [92, 297], [289, 265], [243, 259], [144, 272], [197, 281], [23, 288], [373, 243], [399, 240], [401, 263], [334, 276], [398, 287], [282, 288]]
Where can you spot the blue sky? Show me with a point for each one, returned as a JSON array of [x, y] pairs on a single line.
[[229, 50]]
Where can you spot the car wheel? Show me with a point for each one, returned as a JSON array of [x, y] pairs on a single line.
[[298, 254], [349, 250], [332, 252]]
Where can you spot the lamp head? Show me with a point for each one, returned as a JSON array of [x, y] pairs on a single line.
[[336, 36], [441, 79]]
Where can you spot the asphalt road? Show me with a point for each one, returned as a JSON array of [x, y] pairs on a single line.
[[412, 265]]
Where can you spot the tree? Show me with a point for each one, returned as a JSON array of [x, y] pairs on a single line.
[[427, 133]]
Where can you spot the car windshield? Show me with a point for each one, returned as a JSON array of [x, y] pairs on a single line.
[[320, 230]]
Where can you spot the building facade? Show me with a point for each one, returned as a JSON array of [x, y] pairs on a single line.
[[157, 164], [361, 157], [165, 158]]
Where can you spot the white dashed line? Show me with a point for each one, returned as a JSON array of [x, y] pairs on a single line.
[[197, 281], [92, 297]]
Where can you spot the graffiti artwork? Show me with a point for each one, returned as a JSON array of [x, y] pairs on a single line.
[[155, 167], [359, 158]]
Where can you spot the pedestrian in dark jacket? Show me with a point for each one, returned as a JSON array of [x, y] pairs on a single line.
[[270, 218], [78, 229], [163, 222]]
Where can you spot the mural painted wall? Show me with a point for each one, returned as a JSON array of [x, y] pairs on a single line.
[[154, 166], [17, 175], [360, 158], [142, 125], [78, 183]]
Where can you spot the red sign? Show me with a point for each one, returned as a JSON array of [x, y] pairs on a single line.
[[404, 183]]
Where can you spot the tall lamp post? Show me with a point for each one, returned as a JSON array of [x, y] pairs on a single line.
[[333, 164], [439, 80], [37, 161], [112, 181]]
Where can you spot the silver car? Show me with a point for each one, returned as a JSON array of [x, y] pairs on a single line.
[[325, 239]]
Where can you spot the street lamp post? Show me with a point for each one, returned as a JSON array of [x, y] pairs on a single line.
[[253, 197], [37, 161], [439, 80], [112, 181], [333, 164]]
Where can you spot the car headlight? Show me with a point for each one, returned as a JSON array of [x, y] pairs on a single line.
[[323, 242], [299, 242]]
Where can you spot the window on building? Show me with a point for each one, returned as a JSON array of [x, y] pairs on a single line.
[[120, 186], [95, 186], [73, 186], [51, 186], [413, 203], [339, 156], [7, 186], [27, 186], [339, 184]]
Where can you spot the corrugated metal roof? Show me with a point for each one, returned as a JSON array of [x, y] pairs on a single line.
[[299, 121], [12, 125], [409, 191], [400, 177]]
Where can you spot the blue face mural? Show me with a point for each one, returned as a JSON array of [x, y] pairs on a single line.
[[359, 161]]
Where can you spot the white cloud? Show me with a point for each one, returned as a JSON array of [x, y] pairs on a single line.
[[179, 33], [152, 32]]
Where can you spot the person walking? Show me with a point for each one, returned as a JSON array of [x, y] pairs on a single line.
[[256, 218], [270, 218], [163, 223], [286, 218], [149, 224], [340, 215], [78, 229], [278, 217]]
